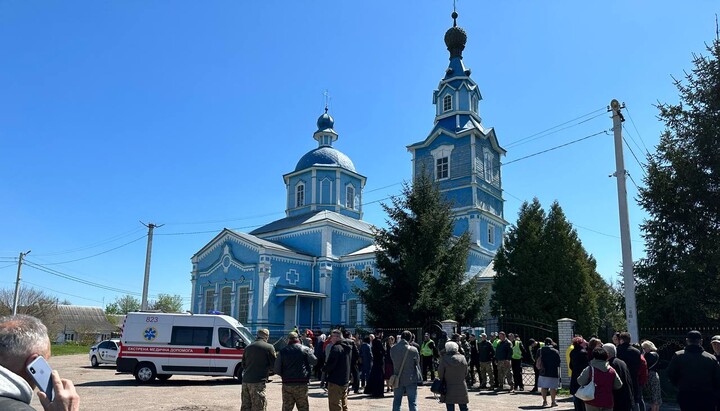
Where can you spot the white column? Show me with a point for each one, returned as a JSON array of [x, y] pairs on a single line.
[[325, 319], [566, 332]]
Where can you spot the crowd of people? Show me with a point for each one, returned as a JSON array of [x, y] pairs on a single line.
[[624, 375]]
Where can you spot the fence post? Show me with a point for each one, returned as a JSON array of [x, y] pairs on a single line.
[[566, 331]]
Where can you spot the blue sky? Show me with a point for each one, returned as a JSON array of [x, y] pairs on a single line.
[[188, 113]]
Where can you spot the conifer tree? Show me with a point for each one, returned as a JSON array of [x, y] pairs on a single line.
[[519, 277], [421, 264], [544, 272], [679, 279]]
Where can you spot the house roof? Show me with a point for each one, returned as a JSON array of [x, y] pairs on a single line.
[[314, 217], [87, 319]]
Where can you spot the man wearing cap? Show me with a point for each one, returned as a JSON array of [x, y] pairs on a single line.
[[428, 351], [337, 369], [715, 343], [258, 361], [696, 374], [294, 364]]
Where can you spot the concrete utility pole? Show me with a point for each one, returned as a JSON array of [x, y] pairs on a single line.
[[150, 227], [17, 282], [627, 261]]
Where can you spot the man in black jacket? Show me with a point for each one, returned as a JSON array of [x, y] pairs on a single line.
[[474, 364], [631, 356], [624, 398], [337, 370], [294, 364], [354, 359], [696, 373], [486, 355]]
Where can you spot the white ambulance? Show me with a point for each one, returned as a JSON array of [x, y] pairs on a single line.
[[160, 345]]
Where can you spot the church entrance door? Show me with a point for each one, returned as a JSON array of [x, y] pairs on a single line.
[[290, 313]]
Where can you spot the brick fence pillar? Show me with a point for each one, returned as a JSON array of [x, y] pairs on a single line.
[[566, 332]]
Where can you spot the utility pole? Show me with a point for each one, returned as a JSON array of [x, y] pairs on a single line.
[[150, 227], [627, 261], [17, 282]]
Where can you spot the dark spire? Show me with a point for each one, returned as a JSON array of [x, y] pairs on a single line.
[[455, 38]]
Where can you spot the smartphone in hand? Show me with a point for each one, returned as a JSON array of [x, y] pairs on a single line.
[[41, 373]]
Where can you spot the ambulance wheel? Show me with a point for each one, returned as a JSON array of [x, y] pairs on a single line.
[[94, 361], [164, 377], [145, 372], [238, 374]]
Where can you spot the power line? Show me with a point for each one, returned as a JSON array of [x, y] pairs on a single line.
[[522, 140], [642, 166], [627, 133], [93, 245], [95, 255], [44, 288], [627, 110], [6, 266], [555, 148]]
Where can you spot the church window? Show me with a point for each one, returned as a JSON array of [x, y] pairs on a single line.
[[489, 168], [491, 234], [300, 195], [447, 103], [225, 300], [352, 312], [243, 304], [350, 197], [441, 168], [368, 271], [209, 300], [474, 104]]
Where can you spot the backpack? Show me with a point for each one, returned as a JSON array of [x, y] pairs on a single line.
[[642, 371]]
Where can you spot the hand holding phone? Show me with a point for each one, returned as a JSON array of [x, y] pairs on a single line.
[[41, 373]]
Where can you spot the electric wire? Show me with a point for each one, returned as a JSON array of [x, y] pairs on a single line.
[[44, 288], [627, 133], [6, 266], [101, 253], [555, 148], [642, 166], [627, 110], [93, 245], [523, 140]]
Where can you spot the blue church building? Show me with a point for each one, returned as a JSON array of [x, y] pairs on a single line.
[[304, 268]]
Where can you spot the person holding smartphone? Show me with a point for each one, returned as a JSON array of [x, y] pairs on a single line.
[[23, 339]]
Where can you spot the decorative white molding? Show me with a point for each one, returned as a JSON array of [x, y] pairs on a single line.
[[292, 276]]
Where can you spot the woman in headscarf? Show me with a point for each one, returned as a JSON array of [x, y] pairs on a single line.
[[453, 369], [653, 386]]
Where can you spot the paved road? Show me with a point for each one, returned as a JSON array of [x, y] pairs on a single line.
[[103, 389]]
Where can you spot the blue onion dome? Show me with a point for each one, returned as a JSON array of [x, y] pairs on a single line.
[[325, 156], [455, 38], [325, 121]]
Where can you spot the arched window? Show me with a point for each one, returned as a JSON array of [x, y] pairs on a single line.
[[243, 296], [209, 300], [350, 197], [300, 195], [352, 312], [225, 300], [447, 103]]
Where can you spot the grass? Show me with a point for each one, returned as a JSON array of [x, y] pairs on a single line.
[[69, 349]]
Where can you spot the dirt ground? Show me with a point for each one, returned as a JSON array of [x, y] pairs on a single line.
[[103, 389]]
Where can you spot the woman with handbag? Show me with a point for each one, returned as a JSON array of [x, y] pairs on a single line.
[[603, 377], [453, 369]]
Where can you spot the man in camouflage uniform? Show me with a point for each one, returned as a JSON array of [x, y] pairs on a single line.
[[294, 364], [258, 361]]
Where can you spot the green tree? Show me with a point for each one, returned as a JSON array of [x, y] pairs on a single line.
[[421, 264], [167, 303], [123, 305], [544, 272], [678, 282], [518, 283]]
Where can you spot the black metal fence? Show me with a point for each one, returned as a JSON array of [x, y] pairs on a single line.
[[669, 340], [525, 327]]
